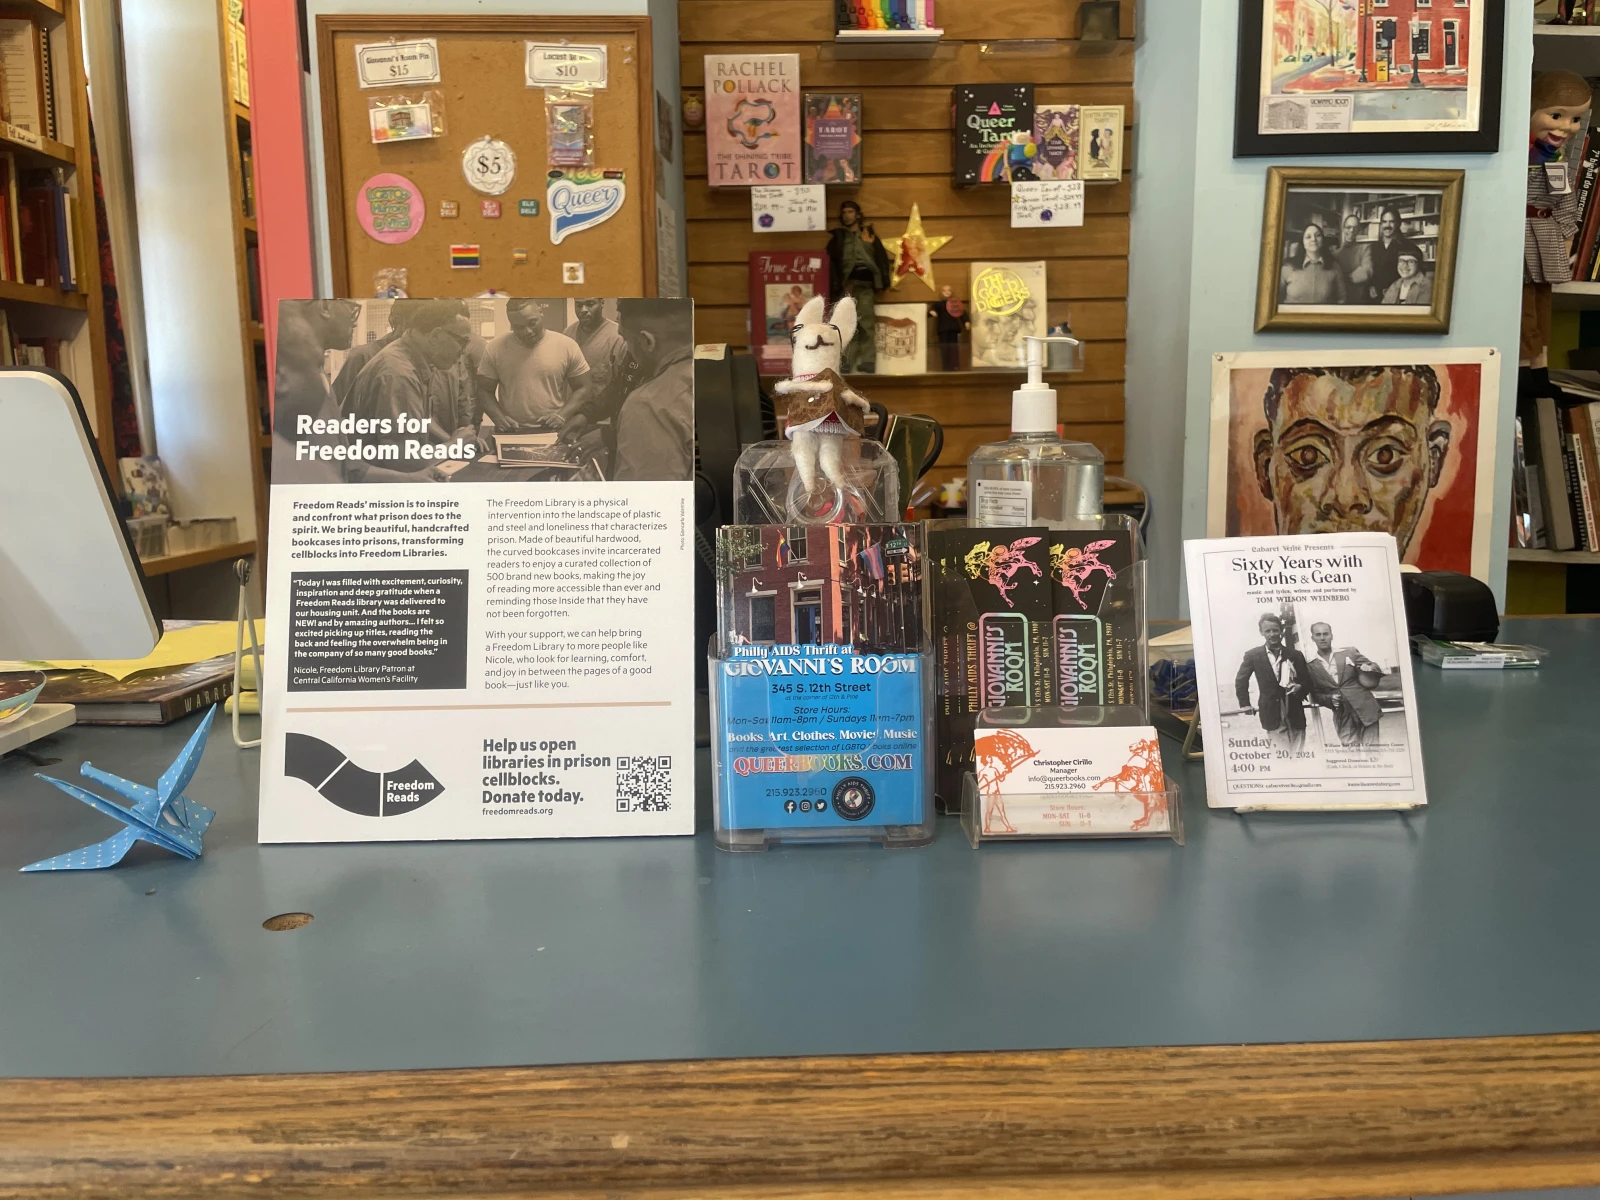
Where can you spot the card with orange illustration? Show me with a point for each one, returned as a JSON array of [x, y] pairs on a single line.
[[1036, 779]]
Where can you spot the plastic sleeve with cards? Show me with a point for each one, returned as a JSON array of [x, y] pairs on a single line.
[[569, 125], [407, 117]]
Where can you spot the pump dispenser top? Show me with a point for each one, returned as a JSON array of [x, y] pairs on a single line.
[[1035, 477], [1033, 405]]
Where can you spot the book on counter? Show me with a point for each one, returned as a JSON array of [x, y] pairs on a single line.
[[154, 697]]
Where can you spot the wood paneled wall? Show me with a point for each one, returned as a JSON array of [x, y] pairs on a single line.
[[906, 159]]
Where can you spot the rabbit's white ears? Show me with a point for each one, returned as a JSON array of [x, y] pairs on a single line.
[[843, 319], [812, 312]]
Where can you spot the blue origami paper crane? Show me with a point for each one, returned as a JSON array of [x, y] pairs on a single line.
[[161, 814]]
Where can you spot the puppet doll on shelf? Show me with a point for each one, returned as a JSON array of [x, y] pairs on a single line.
[[950, 321], [1560, 109], [823, 409], [858, 267]]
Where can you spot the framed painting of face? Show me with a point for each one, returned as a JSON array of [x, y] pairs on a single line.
[[1358, 441], [1369, 77], [1358, 248]]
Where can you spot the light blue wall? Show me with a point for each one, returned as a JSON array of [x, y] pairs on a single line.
[[1225, 200]]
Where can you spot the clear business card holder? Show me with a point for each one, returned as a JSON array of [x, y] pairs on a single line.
[[1100, 655], [1138, 801]]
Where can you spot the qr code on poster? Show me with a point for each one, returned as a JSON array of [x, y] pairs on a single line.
[[644, 784]]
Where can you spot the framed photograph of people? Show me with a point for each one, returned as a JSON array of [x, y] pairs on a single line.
[[1352, 441], [1369, 77], [1370, 249]]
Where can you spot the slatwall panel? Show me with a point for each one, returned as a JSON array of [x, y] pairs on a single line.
[[906, 159]]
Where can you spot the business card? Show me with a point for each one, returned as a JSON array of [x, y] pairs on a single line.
[[1098, 780]]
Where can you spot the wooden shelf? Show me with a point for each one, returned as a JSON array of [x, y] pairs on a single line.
[[246, 243], [46, 297], [1575, 295], [1566, 31], [1520, 554], [46, 149], [196, 558], [886, 43], [33, 8]]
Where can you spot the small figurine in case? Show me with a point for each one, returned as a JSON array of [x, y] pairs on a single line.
[[823, 408]]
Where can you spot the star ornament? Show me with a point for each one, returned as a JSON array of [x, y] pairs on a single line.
[[912, 252]]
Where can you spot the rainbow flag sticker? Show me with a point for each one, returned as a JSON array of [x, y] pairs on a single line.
[[465, 256]]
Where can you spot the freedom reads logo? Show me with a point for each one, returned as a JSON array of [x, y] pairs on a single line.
[[581, 200]]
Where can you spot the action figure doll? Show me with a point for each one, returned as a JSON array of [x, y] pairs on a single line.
[[950, 322], [858, 267], [1560, 108], [823, 409]]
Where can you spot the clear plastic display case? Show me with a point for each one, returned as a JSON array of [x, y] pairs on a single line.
[[820, 675]]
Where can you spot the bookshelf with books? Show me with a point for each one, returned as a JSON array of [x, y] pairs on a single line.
[[1555, 476], [247, 247], [51, 313]]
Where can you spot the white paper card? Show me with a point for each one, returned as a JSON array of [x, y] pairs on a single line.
[[391, 64], [1046, 203], [478, 646], [1306, 114], [565, 65], [1002, 502], [797, 209], [1071, 781], [1304, 672]]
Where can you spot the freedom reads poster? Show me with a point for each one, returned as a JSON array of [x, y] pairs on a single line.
[[479, 647], [753, 131], [1304, 672]]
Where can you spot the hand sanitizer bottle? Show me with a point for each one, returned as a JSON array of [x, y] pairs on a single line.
[[1034, 477]]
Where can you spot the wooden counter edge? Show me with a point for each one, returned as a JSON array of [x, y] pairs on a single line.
[[1288, 1121]]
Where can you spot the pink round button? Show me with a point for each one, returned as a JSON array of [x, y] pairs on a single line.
[[390, 208]]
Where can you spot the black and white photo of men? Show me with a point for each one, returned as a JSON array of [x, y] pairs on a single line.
[[1343, 680], [416, 391], [1281, 678]]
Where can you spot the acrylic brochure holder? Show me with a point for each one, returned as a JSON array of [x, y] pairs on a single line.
[[1127, 793], [821, 672]]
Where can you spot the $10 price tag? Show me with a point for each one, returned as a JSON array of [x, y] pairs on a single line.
[[565, 65]]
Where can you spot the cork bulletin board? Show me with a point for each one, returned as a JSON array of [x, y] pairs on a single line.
[[484, 93]]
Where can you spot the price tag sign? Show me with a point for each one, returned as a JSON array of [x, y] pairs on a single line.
[[797, 209], [389, 64], [565, 66], [1046, 203]]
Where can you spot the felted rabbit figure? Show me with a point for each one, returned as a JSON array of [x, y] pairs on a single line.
[[823, 409]]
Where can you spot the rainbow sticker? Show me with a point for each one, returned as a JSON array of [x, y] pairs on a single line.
[[464, 256]]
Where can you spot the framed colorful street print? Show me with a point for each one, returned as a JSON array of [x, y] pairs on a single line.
[[1369, 77]]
